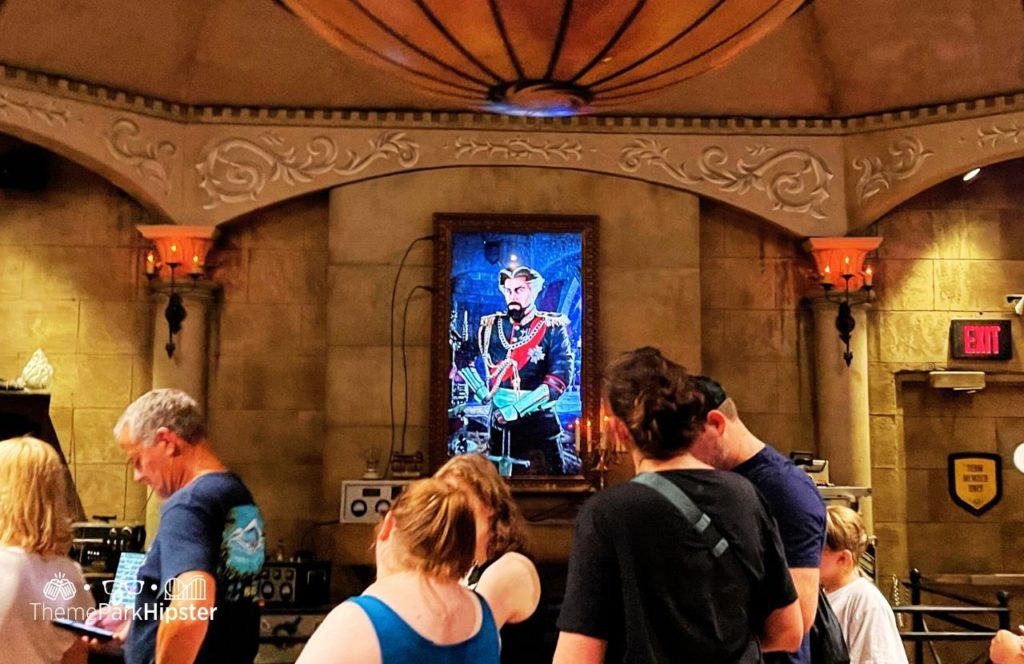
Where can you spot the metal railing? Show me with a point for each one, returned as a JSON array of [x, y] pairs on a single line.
[[960, 616]]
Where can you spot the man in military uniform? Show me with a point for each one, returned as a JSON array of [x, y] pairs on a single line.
[[527, 358]]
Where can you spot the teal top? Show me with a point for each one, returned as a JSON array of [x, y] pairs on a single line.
[[400, 643]]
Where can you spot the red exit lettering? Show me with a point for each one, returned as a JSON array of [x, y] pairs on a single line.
[[981, 339]]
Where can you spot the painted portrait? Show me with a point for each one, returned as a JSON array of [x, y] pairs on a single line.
[[515, 302]]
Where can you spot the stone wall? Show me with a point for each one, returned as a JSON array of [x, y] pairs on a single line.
[[266, 397], [756, 335], [648, 275], [300, 348], [71, 283], [954, 251]]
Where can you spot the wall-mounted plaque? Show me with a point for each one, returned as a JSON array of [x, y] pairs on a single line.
[[975, 480], [978, 339]]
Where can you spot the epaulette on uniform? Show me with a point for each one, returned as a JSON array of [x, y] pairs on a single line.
[[488, 321], [551, 319]]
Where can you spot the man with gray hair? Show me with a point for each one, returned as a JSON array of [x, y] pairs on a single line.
[[199, 580]]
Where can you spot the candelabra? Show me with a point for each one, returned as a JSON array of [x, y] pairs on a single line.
[[597, 455], [598, 460]]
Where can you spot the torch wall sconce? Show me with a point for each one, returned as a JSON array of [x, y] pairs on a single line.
[[842, 273], [176, 252]]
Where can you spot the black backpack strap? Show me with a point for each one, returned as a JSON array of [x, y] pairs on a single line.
[[700, 521]]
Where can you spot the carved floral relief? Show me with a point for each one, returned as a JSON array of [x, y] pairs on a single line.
[[794, 180], [905, 158], [519, 149], [49, 112], [995, 134], [236, 170], [124, 142]]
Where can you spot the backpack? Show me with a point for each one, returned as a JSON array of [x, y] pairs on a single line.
[[828, 645]]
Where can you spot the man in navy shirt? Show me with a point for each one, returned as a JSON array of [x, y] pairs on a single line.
[[791, 496], [198, 600]]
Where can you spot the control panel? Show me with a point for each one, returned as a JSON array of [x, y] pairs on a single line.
[[295, 583], [366, 501]]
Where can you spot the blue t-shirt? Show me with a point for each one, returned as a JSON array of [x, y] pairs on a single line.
[[798, 509], [211, 525], [401, 644]]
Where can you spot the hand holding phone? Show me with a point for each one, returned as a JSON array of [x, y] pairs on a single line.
[[82, 629]]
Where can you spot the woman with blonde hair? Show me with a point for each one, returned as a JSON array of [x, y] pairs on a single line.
[[502, 571], [38, 582], [416, 611]]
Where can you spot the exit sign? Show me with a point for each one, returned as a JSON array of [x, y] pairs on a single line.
[[981, 339]]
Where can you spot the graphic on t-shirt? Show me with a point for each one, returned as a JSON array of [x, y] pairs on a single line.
[[241, 553]]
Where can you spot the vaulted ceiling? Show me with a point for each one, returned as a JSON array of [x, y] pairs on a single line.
[[833, 58]]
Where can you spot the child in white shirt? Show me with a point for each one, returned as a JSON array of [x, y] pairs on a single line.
[[864, 614]]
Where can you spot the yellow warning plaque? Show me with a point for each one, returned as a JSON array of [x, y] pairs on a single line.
[[975, 480]]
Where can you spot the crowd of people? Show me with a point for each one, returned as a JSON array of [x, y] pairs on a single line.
[[718, 551]]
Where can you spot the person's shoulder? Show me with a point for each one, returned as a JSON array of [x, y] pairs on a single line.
[[346, 635], [212, 495], [13, 559], [224, 485], [489, 319], [617, 495], [512, 563], [866, 592], [775, 474], [14, 555]]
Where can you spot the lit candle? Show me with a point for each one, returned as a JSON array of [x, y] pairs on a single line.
[[196, 267], [590, 435], [867, 275], [846, 265], [577, 427], [174, 253], [150, 263], [826, 275]]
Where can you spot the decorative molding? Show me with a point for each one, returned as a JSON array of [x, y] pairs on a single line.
[[995, 133], [794, 180], [236, 170], [906, 156], [125, 145], [49, 112], [196, 114], [519, 149]]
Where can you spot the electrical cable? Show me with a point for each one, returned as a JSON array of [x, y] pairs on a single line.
[[391, 355], [405, 365]]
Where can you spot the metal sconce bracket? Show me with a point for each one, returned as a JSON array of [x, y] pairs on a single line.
[[845, 322]]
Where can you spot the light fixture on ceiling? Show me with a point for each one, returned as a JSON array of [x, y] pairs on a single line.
[[176, 251], [971, 174], [541, 57], [840, 262]]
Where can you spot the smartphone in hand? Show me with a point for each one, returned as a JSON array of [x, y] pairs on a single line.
[[82, 629]]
